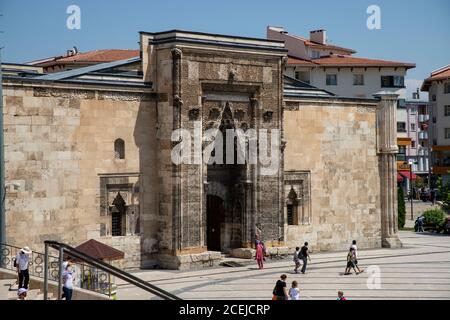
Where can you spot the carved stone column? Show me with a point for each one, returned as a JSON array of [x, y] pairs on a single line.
[[387, 150], [177, 217]]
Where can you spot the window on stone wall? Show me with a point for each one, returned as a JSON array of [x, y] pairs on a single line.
[[116, 224], [118, 216], [119, 149], [292, 208], [298, 197]]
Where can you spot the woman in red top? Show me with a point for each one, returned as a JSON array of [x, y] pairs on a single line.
[[260, 254]]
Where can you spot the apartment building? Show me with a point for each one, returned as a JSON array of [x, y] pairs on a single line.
[[335, 69], [438, 87]]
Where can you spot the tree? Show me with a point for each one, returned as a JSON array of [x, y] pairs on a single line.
[[401, 207], [444, 193]]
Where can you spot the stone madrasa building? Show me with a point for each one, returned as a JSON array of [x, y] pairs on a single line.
[[89, 153]]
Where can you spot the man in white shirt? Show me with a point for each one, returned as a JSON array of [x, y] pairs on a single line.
[[22, 261], [353, 246]]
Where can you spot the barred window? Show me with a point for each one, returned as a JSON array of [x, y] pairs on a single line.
[[119, 149]]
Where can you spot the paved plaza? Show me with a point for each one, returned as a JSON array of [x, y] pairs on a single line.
[[419, 270]]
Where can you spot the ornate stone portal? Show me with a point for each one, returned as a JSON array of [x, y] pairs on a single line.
[[212, 207]]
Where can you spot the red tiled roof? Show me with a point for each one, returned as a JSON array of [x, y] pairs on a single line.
[[100, 250], [297, 61], [440, 74], [348, 61]]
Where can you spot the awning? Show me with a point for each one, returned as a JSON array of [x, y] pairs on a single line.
[[401, 141], [407, 175], [100, 251]]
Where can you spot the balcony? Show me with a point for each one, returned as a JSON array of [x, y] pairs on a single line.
[[423, 135], [441, 161], [423, 152], [424, 117]]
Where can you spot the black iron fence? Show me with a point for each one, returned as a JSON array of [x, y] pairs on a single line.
[[85, 275]]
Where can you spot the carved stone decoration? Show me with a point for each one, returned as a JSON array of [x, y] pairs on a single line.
[[214, 113], [231, 76], [177, 102], [209, 125], [268, 116], [176, 53], [283, 145], [284, 60], [244, 126], [194, 114], [239, 114]]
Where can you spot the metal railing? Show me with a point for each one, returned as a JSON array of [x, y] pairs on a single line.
[[97, 264], [87, 277]]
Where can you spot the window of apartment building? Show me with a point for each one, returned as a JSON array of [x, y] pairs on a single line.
[[392, 81], [401, 126], [447, 111], [447, 133], [358, 79], [315, 54], [302, 76], [413, 127], [447, 87], [331, 80], [401, 156], [413, 144]]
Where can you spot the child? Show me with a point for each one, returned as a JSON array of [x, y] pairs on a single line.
[[296, 259], [294, 292], [341, 295], [21, 294], [260, 254], [350, 261]]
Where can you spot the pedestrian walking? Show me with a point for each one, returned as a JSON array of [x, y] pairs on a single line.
[[304, 256], [296, 259], [22, 294], [418, 225], [68, 279], [353, 245], [259, 256], [350, 262], [341, 295], [22, 261], [433, 196], [280, 291], [294, 291]]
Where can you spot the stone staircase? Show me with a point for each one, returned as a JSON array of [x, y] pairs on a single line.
[[8, 291]]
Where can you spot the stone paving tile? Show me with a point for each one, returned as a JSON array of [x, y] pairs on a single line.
[[419, 270]]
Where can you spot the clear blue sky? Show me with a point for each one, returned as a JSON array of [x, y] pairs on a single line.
[[411, 31]]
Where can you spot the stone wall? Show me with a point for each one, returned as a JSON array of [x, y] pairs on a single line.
[[336, 142], [57, 143]]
